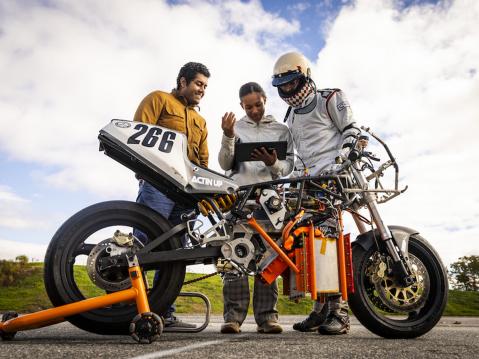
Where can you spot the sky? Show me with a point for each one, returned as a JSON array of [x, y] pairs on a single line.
[[408, 68]]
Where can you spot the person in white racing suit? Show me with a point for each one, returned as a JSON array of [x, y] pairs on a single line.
[[254, 127], [322, 125]]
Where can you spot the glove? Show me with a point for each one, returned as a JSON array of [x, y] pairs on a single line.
[[332, 169]]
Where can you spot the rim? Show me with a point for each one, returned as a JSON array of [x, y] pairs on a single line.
[[88, 246], [390, 301]]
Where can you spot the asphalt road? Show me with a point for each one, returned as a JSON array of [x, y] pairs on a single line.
[[453, 337]]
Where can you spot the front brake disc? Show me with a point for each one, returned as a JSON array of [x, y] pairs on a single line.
[[404, 299]]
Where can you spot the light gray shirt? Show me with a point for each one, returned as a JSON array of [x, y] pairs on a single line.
[[247, 130]]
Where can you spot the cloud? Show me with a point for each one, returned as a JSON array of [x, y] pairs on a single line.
[[299, 7], [12, 249], [15, 212], [269, 29], [68, 68], [411, 74]]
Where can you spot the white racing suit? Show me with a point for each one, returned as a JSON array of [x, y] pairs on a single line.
[[321, 128]]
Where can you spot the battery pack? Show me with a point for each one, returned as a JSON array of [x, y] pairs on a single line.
[[326, 265]]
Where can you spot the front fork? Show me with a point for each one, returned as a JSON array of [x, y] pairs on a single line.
[[401, 268]]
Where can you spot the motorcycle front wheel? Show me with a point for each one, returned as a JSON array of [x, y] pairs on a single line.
[[72, 271], [390, 310]]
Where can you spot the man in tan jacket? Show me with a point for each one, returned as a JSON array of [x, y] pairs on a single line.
[[176, 111]]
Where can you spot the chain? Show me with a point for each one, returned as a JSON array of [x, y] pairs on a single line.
[[200, 278]]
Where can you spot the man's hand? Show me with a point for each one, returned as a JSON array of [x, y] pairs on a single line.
[[262, 154], [228, 124]]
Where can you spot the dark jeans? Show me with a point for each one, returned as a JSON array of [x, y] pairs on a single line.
[[151, 197]]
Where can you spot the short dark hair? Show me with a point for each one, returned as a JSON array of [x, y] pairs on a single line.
[[189, 71], [251, 87]]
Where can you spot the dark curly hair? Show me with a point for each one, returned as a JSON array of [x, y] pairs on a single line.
[[189, 71], [251, 87]]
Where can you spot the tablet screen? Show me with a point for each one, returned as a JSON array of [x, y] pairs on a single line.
[[243, 150]]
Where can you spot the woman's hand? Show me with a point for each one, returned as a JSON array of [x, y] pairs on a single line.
[[228, 124], [261, 154]]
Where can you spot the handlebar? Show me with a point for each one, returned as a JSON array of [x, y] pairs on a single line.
[[391, 157], [352, 154]]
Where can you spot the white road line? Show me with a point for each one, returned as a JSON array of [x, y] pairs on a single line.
[[165, 353]]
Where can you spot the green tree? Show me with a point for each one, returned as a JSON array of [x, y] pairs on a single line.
[[22, 259], [8, 270], [465, 273]]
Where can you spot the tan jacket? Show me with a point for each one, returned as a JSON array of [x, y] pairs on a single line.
[[170, 111]]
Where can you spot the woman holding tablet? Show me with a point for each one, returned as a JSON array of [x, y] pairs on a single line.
[[254, 127], [264, 166]]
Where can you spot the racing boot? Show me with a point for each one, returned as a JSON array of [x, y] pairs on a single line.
[[314, 319], [337, 321]]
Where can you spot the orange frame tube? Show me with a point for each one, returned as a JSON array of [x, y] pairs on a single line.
[[290, 225], [252, 222], [312, 263], [138, 284], [342, 260], [58, 314]]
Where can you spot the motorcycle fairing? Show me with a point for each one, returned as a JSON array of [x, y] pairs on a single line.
[[150, 149]]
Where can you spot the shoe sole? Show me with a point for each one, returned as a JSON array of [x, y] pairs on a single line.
[[333, 333], [272, 331], [181, 326], [309, 330]]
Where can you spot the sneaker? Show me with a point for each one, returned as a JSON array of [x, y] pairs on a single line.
[[230, 328], [336, 323], [313, 321], [174, 322], [269, 327]]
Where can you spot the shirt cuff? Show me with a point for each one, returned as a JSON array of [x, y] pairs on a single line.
[[228, 141], [275, 168]]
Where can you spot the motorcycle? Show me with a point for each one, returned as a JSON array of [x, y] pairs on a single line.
[[392, 278]]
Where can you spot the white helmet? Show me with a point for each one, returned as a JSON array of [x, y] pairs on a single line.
[[290, 66]]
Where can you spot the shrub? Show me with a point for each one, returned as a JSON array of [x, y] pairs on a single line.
[[12, 272]]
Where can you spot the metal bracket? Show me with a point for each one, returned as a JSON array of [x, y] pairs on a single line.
[[132, 261], [207, 314]]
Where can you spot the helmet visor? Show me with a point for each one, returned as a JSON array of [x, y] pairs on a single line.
[[281, 79]]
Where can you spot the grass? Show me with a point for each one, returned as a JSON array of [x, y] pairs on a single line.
[[28, 295], [462, 303], [213, 288]]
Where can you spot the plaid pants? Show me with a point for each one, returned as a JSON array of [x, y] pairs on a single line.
[[236, 299]]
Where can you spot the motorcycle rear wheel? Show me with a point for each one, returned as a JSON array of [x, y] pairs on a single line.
[[394, 312], [70, 242]]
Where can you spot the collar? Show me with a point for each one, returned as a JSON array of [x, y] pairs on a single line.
[[264, 119], [309, 104], [180, 98], [183, 100], [307, 101]]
